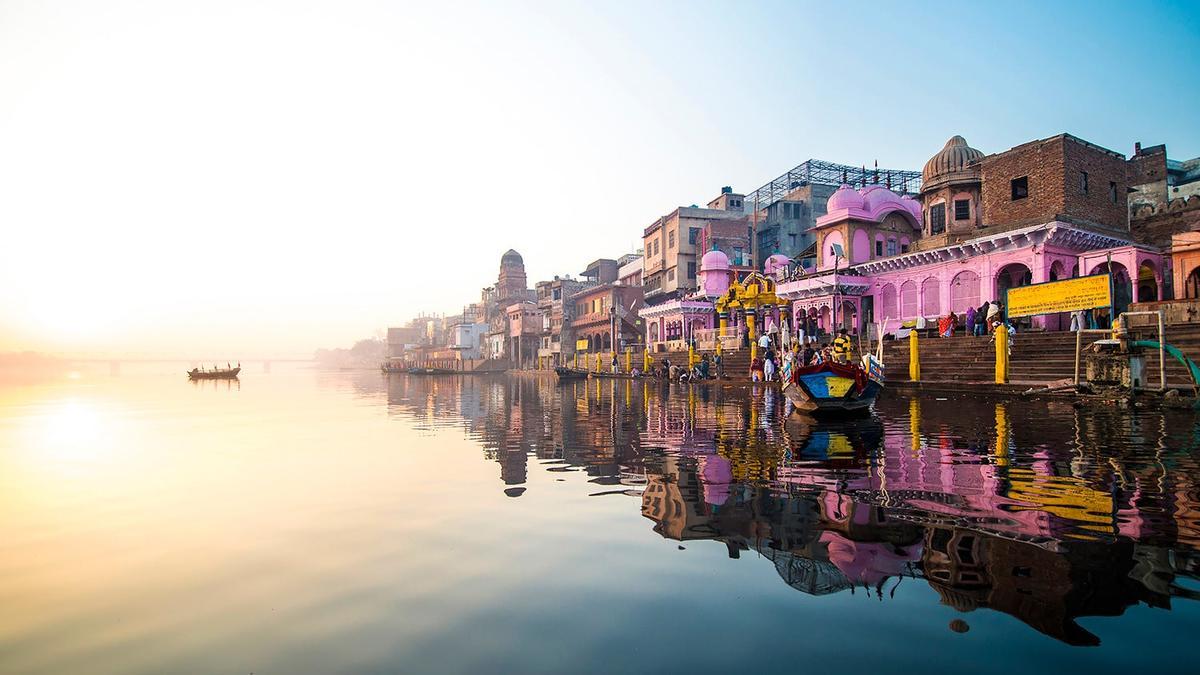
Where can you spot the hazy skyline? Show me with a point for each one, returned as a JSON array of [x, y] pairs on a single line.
[[273, 177]]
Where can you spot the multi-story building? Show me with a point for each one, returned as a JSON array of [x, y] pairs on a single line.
[[606, 317], [557, 337], [1164, 211], [671, 246], [631, 266], [511, 287], [783, 212], [524, 332]]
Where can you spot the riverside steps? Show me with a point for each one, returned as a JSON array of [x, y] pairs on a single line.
[[1037, 359]]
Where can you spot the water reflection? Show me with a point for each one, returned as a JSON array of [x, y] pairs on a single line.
[[1034, 509]]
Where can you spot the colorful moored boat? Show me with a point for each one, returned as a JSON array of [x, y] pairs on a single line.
[[836, 387]]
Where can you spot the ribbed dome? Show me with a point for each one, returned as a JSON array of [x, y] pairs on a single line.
[[955, 157], [511, 257]]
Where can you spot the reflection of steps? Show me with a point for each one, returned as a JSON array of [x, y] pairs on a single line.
[[1036, 357]]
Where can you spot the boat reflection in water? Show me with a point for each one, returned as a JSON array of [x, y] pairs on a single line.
[[1034, 509]]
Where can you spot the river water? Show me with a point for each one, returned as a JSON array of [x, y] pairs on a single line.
[[311, 522]]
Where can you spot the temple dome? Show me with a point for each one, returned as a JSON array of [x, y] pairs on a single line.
[[875, 197], [844, 197], [955, 157], [511, 257], [714, 261], [775, 263]]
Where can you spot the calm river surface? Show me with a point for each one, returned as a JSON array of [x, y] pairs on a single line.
[[311, 522]]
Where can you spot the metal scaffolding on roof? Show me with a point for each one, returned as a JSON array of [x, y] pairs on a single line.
[[830, 173]]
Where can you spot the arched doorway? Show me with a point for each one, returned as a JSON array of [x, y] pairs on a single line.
[[1122, 291], [848, 316], [824, 320], [1013, 275], [964, 291], [1147, 285], [1191, 287], [654, 332]]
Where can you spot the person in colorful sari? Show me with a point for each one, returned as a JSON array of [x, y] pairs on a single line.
[[785, 372]]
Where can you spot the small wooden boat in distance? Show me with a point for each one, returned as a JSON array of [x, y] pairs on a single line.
[[215, 374], [565, 373]]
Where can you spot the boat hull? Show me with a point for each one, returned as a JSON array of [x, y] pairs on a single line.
[[230, 374], [832, 389], [565, 374]]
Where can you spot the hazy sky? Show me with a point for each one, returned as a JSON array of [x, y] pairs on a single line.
[[249, 177]]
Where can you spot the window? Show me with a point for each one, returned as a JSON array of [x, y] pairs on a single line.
[[655, 247], [737, 255], [792, 238], [670, 275], [735, 202], [962, 209], [693, 234], [904, 248], [691, 270], [1020, 188], [937, 219], [891, 249], [878, 248], [1112, 191], [671, 239], [556, 293], [1083, 183]]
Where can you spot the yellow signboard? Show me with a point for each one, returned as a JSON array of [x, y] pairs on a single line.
[[1068, 295], [581, 345]]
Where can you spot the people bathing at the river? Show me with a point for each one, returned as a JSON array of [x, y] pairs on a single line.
[[719, 362], [756, 369], [785, 372], [615, 367], [769, 366]]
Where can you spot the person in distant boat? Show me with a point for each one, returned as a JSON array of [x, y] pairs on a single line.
[[841, 347]]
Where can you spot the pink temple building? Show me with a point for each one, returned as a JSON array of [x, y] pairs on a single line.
[[1043, 211]]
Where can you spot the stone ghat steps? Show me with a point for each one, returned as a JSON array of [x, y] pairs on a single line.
[[1036, 357]]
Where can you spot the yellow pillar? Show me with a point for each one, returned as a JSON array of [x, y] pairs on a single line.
[[646, 359], [1001, 334], [914, 357], [629, 359], [597, 362], [691, 356], [576, 360], [722, 324], [719, 343]]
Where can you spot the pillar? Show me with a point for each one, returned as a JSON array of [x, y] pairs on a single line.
[[914, 357], [1001, 335]]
